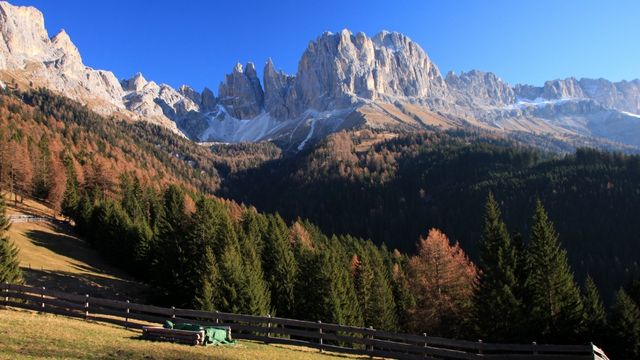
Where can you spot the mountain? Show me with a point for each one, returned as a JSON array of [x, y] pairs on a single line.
[[385, 83]]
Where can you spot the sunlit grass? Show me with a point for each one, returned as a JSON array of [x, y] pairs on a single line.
[[28, 335]]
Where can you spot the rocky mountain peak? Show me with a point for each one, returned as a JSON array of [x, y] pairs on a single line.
[[136, 83], [241, 93], [23, 35], [478, 88], [277, 87], [338, 69]]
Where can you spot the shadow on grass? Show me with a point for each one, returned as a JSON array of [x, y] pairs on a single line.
[[94, 276], [94, 285]]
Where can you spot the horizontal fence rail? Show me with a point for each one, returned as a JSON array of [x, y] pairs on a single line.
[[323, 336]]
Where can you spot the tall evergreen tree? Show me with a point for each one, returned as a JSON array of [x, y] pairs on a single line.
[[256, 288], [374, 290], [280, 266], [554, 304], [595, 314], [206, 296], [9, 263], [403, 296], [71, 197], [233, 294], [168, 251], [624, 330], [497, 308]]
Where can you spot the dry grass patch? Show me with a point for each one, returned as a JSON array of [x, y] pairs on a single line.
[[28, 335]]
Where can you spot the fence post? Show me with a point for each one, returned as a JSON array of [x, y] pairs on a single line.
[[126, 317], [535, 351], [173, 312], [371, 338], [86, 306], [425, 343], [42, 297], [480, 346], [320, 331], [6, 295], [269, 326], [217, 319]]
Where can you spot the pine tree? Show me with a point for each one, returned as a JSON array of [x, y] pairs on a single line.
[[374, 290], [595, 315], [256, 288], [497, 308], [206, 295], [233, 295], [167, 250], [9, 263], [624, 329], [554, 304], [280, 267], [403, 296]]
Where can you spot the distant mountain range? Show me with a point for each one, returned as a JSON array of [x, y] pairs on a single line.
[[385, 83]]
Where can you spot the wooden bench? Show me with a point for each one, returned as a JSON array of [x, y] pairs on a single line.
[[173, 335]]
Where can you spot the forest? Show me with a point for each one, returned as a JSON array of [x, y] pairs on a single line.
[[146, 203], [392, 191]]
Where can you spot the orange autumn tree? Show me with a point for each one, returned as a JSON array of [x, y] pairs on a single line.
[[441, 277]]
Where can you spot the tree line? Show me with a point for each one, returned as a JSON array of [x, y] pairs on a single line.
[[392, 190]]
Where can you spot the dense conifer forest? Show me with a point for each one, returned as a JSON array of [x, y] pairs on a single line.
[[393, 191], [477, 238]]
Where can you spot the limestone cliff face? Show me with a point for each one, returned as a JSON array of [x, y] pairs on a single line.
[[343, 80], [479, 89], [37, 60], [241, 93], [277, 89], [338, 69]]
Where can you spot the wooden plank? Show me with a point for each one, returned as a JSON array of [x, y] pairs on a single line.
[[67, 296], [537, 357], [151, 309], [116, 304]]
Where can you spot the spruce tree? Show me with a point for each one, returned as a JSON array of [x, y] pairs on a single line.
[[595, 315], [167, 249], [280, 266], [233, 297], [624, 329], [554, 302], [71, 197], [256, 288], [206, 296], [374, 290], [497, 308], [348, 309], [9, 263]]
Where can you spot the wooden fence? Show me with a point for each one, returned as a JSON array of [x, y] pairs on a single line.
[[267, 329]]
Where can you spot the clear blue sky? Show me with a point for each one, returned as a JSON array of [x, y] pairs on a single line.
[[197, 42]]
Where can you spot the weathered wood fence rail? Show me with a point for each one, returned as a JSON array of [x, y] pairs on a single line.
[[322, 336]]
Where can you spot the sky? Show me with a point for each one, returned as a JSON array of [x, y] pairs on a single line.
[[197, 42]]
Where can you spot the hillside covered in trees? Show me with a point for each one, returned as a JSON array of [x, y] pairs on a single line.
[[392, 191], [143, 197]]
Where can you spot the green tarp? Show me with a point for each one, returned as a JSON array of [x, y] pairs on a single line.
[[212, 335]]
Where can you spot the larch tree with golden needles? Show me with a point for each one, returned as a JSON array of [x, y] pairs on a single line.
[[442, 280]]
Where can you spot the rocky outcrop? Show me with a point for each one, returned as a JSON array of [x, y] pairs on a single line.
[[479, 89], [343, 80], [277, 89], [152, 100], [241, 92], [338, 69], [623, 95], [30, 58]]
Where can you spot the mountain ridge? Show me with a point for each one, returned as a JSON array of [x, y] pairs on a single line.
[[343, 81]]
